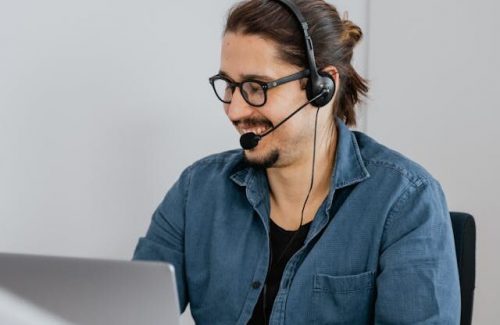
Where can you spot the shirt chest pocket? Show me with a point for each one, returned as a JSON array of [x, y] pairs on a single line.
[[343, 299]]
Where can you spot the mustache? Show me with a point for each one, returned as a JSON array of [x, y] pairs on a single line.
[[250, 123]]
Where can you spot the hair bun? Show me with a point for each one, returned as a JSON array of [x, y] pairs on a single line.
[[351, 33]]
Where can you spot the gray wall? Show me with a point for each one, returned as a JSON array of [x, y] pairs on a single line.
[[103, 103]]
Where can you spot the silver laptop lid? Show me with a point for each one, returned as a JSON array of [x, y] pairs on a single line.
[[16, 311], [90, 291]]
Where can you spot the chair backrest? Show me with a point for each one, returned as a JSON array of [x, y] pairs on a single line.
[[464, 230]]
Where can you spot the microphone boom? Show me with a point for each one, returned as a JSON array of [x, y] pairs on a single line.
[[250, 140]]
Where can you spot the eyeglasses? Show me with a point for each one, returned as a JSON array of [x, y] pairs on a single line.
[[254, 92]]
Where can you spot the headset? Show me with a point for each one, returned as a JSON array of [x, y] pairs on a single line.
[[319, 82], [320, 87]]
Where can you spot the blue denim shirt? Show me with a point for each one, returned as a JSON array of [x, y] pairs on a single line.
[[387, 256]]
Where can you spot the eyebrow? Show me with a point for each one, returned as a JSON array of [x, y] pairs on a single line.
[[248, 76]]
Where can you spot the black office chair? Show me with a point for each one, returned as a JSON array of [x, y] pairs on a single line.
[[464, 230]]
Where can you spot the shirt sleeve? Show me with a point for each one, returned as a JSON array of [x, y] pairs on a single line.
[[418, 280], [164, 240]]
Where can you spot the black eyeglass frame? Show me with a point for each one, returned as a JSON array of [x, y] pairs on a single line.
[[265, 85]]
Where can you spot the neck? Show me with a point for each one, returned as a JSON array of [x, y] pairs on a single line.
[[290, 184]]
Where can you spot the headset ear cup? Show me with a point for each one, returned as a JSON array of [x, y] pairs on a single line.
[[325, 80]]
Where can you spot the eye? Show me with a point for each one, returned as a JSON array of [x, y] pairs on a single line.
[[223, 89], [252, 87]]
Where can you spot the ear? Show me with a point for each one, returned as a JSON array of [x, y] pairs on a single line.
[[303, 83], [333, 72]]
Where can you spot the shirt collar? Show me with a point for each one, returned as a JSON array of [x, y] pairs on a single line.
[[349, 166]]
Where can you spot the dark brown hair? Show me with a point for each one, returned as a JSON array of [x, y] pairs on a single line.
[[334, 40]]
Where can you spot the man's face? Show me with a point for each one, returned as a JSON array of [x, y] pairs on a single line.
[[252, 57]]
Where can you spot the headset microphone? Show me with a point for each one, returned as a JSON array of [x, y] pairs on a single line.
[[250, 140]]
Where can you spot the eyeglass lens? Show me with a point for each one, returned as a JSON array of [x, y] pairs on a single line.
[[252, 92]]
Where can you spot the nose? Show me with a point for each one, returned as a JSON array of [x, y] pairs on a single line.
[[238, 109]]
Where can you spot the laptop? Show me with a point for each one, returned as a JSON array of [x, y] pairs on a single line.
[[90, 291]]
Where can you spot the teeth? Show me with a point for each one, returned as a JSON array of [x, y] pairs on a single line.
[[257, 131]]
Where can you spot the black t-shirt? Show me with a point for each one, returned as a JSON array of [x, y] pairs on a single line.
[[283, 247]]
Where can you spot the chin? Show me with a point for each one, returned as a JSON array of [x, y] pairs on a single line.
[[266, 160]]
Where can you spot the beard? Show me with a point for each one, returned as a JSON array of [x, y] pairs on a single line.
[[267, 161]]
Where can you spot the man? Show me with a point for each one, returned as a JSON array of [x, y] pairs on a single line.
[[311, 222]]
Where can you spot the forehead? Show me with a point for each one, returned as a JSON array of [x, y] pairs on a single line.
[[244, 55]]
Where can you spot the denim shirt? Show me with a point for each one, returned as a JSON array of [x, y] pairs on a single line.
[[386, 256]]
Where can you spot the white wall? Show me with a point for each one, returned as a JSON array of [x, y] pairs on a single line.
[[434, 68], [102, 103]]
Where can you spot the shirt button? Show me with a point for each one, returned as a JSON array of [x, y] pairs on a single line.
[[256, 284]]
